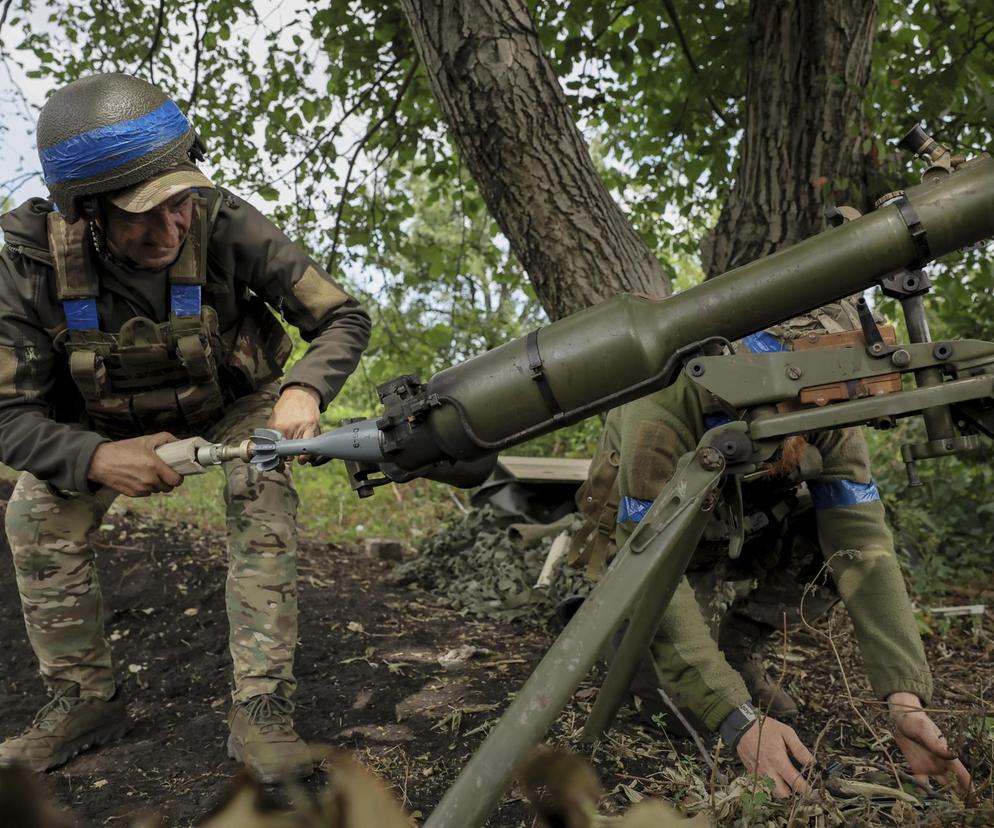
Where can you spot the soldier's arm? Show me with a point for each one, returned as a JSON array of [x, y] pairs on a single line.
[[859, 549], [337, 329], [655, 433], [30, 439]]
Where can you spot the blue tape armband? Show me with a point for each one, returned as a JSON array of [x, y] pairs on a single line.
[[184, 300], [81, 314], [108, 147], [632, 509], [763, 342], [829, 494]]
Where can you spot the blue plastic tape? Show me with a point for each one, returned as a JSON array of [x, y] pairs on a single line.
[[81, 314], [715, 420], [832, 493], [109, 147], [763, 342], [632, 509], [185, 300]]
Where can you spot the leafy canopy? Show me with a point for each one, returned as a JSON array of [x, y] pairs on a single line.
[[324, 111]]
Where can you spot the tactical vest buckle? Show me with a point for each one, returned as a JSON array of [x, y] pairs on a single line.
[[89, 373]]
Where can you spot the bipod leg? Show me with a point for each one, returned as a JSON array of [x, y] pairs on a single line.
[[675, 532], [551, 685]]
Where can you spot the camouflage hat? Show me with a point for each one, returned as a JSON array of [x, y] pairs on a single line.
[[158, 188], [104, 133]]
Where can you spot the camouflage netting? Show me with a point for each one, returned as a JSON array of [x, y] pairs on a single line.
[[483, 566]]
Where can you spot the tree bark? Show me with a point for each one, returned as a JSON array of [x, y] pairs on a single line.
[[804, 131], [509, 117]]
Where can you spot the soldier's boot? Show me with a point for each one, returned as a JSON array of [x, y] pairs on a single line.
[[741, 641], [263, 739], [65, 727]]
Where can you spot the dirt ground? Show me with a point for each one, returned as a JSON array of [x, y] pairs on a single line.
[[370, 681]]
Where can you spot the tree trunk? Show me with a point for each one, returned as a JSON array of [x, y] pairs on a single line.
[[803, 141], [509, 117]]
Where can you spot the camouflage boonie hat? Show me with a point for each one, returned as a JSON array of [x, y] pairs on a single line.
[[159, 188]]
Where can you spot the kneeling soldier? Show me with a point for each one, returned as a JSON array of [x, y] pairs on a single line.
[[815, 510]]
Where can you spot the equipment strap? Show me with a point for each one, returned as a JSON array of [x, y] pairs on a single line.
[[191, 266], [194, 357], [75, 276], [537, 367], [919, 236], [88, 373]]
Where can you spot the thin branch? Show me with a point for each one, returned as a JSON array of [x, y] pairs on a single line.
[[826, 568], [359, 146], [29, 113], [621, 10], [675, 710], [197, 51], [335, 127], [6, 11], [154, 47], [671, 12]]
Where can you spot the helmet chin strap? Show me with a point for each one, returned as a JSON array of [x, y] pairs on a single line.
[[94, 210]]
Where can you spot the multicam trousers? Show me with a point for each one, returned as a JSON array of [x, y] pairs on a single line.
[[60, 594]]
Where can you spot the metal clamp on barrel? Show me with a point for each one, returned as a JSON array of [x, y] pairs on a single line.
[[537, 367], [919, 236]]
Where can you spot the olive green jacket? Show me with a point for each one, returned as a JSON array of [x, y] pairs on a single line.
[[646, 438], [41, 428]]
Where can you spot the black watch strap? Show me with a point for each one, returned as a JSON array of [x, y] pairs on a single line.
[[736, 723]]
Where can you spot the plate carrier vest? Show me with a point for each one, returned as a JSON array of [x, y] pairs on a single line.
[[151, 376]]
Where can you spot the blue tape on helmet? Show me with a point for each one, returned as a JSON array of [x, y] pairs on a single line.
[[763, 342], [184, 300], [829, 494], [81, 314], [632, 509], [108, 147]]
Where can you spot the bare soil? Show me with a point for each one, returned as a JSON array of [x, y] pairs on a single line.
[[371, 681]]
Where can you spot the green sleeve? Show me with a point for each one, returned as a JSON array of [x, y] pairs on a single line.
[[654, 433], [859, 549], [860, 553], [30, 438], [336, 328], [691, 663]]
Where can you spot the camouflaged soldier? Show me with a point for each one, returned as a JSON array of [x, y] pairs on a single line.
[[815, 509], [133, 311]]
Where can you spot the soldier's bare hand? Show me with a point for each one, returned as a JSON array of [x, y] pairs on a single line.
[[923, 745], [132, 467], [296, 415], [766, 749]]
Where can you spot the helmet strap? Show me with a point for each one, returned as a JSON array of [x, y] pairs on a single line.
[[99, 239]]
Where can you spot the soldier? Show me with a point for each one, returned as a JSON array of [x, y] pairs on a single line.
[[814, 511], [133, 311]]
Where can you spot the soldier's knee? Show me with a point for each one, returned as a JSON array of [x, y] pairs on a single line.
[[267, 497], [30, 524]]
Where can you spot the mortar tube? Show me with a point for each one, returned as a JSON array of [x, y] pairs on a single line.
[[624, 348]]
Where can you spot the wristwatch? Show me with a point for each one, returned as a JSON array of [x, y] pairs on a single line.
[[736, 723]]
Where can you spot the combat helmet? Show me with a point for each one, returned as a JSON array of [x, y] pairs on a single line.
[[106, 132]]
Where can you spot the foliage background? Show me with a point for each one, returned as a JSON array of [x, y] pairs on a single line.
[[322, 114]]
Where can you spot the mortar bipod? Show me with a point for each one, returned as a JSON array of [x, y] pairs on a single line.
[[651, 562]]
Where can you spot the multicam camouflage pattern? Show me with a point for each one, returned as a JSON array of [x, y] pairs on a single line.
[[57, 579], [60, 594], [261, 588], [259, 348]]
